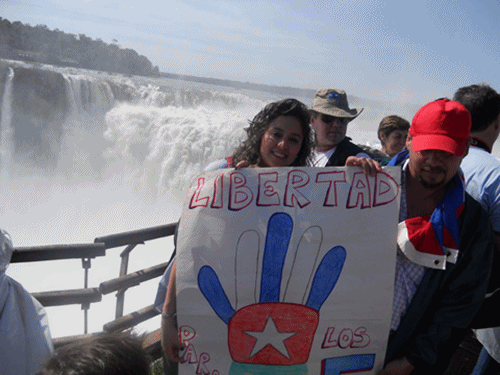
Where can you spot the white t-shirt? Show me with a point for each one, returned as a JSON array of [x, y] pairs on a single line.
[[319, 159]]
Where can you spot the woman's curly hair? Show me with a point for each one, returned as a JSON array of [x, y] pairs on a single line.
[[249, 149]]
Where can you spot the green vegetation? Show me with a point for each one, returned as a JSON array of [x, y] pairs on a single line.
[[157, 367], [40, 44]]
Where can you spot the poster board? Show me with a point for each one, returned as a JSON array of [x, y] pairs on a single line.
[[287, 270]]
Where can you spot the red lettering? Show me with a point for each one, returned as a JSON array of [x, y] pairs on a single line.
[[296, 179], [345, 338], [190, 354], [329, 341], [196, 200], [362, 339], [386, 189], [359, 191], [202, 368], [217, 200], [267, 195], [332, 178], [186, 333], [240, 195]]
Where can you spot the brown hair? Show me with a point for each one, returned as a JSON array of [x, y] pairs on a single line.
[[392, 123], [249, 149]]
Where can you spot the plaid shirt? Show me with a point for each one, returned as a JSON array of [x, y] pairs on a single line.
[[408, 274]]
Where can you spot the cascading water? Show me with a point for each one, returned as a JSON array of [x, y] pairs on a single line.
[[125, 154], [5, 124]]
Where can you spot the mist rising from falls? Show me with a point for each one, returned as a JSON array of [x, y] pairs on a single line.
[[104, 147]]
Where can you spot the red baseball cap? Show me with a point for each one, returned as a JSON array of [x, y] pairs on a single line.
[[441, 125]]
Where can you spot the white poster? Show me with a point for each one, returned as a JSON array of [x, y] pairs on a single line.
[[287, 270]]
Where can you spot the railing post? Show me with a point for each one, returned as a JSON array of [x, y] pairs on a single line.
[[120, 295], [85, 306]]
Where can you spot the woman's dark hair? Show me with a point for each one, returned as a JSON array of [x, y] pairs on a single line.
[[249, 149], [392, 123]]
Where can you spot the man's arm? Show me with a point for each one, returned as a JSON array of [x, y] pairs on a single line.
[[488, 315]]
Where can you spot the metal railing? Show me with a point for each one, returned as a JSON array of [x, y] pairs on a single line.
[[86, 296]]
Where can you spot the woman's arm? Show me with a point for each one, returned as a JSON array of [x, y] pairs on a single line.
[[170, 342]]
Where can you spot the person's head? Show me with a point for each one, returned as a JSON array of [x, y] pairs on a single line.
[[278, 136], [392, 133], [483, 103], [438, 140], [330, 115], [117, 353], [6, 250]]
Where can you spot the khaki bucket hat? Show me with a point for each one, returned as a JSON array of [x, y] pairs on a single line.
[[333, 102]]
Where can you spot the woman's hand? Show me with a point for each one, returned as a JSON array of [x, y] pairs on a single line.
[[170, 342], [370, 166], [244, 164]]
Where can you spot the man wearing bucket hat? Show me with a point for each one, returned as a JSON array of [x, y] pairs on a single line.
[[445, 244], [330, 115]]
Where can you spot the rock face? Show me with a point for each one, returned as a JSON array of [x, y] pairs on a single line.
[[39, 103], [39, 109]]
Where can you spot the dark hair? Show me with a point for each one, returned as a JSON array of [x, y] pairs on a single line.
[[483, 103], [249, 149], [392, 123], [117, 353]]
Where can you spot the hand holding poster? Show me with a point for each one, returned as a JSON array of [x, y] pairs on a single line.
[[287, 270]]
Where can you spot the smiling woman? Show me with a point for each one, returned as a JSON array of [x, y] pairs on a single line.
[[281, 142], [278, 136]]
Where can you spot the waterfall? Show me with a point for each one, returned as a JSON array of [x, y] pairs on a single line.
[[5, 124], [122, 153]]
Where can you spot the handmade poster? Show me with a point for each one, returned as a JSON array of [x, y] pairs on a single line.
[[287, 270]]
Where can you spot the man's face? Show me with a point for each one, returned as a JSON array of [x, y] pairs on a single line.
[[329, 133], [433, 168]]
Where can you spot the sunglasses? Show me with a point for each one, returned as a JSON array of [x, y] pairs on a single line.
[[327, 119]]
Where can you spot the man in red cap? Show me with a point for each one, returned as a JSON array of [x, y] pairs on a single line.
[[445, 245]]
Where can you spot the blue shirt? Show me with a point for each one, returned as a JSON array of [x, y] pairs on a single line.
[[482, 179]]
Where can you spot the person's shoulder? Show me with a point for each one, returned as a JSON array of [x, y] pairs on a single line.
[[375, 154], [218, 164], [481, 168], [349, 147], [478, 158]]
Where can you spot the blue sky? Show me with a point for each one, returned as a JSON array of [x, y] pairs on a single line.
[[391, 50]]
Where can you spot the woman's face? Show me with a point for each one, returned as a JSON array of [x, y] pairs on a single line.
[[281, 142], [394, 142]]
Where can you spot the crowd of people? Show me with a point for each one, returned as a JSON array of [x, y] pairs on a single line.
[[448, 232], [442, 278]]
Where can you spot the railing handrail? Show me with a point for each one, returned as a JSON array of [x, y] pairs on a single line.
[[132, 279], [68, 297], [137, 236], [55, 252], [86, 296], [132, 319]]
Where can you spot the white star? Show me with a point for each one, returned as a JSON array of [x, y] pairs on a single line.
[[270, 336]]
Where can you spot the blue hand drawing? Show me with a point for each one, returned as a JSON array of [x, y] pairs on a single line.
[[279, 232]]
